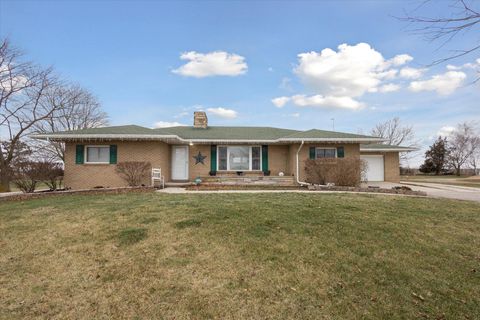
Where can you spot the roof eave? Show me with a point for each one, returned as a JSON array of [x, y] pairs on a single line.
[[388, 149], [150, 137], [354, 140], [67, 137]]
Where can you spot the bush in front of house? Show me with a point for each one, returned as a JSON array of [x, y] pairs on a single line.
[[28, 174], [134, 172], [348, 172]]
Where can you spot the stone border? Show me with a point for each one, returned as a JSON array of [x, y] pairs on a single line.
[[43, 194], [368, 190]]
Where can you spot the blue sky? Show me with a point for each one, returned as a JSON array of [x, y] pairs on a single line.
[[239, 56]]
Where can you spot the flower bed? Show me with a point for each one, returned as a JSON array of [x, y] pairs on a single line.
[[371, 190]]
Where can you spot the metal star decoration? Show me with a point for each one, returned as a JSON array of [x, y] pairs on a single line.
[[199, 158]]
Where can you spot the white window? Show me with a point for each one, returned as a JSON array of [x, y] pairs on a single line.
[[97, 154], [239, 158], [321, 153]]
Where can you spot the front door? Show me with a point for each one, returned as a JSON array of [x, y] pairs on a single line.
[[180, 163]]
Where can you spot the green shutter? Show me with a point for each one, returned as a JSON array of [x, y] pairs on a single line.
[[213, 158], [265, 158], [312, 153], [113, 154], [79, 154], [340, 152]]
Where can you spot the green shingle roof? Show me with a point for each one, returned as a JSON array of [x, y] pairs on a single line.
[[228, 133], [129, 129], [323, 134], [213, 133]]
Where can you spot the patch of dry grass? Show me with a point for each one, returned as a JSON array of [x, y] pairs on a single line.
[[262, 256]]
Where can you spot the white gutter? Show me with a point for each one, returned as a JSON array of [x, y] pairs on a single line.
[[60, 136], [388, 150], [356, 140], [302, 183]]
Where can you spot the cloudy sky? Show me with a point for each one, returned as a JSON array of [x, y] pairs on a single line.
[[287, 64]]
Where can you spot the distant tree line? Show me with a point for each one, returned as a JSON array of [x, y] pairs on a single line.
[[450, 154], [33, 99]]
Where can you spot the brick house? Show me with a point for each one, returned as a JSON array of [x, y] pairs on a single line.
[[187, 152]]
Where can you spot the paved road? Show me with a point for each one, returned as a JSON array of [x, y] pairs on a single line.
[[446, 191]]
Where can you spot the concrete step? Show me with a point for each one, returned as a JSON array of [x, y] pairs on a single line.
[[249, 180]]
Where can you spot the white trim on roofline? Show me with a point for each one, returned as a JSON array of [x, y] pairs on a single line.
[[388, 149], [360, 140], [59, 136]]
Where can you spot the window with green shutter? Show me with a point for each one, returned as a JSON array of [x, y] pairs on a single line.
[[265, 158], [213, 158], [113, 154], [312, 153], [79, 153], [340, 152]]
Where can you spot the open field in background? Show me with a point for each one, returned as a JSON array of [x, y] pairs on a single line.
[[472, 181], [225, 256]]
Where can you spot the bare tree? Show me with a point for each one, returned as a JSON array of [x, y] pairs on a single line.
[[22, 104], [396, 134], [462, 144], [463, 18], [474, 159], [75, 109]]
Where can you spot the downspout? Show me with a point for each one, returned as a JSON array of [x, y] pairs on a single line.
[[302, 183]]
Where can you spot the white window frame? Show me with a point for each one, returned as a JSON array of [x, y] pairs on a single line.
[[249, 157], [316, 149], [85, 154]]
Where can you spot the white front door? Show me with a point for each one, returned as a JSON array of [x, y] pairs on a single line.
[[375, 169], [180, 163]]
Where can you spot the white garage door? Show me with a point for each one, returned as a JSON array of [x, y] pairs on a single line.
[[375, 168]]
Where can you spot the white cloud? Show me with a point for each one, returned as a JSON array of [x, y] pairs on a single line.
[[295, 115], [327, 102], [166, 124], [349, 72], [452, 67], [411, 73], [443, 84], [217, 63], [446, 131], [400, 59], [469, 65], [389, 87], [223, 113], [280, 102]]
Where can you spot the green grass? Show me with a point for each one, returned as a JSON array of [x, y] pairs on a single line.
[[226, 256], [131, 235]]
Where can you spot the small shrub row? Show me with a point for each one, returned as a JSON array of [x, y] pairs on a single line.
[[349, 172], [28, 174]]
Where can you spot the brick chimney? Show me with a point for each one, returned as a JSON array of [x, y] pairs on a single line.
[[200, 120]]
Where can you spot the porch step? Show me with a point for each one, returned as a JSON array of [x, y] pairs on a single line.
[[249, 180], [178, 184]]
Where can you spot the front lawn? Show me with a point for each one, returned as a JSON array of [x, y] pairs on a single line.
[[239, 256]]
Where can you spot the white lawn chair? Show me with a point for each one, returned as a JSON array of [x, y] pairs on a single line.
[[157, 176]]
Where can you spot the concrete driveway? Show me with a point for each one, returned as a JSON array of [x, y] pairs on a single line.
[[445, 191], [436, 190]]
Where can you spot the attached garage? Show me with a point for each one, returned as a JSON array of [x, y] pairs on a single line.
[[375, 167], [383, 161]]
